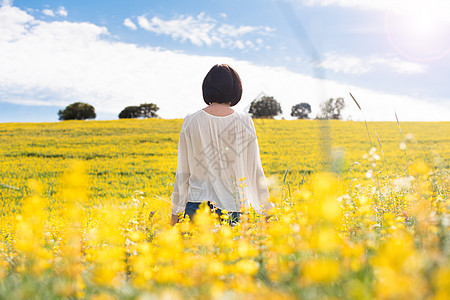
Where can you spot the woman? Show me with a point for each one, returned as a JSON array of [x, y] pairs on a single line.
[[218, 154]]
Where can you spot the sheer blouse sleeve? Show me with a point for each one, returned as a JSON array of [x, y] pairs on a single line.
[[258, 193], [180, 188]]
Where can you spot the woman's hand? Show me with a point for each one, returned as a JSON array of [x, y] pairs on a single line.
[[174, 220]]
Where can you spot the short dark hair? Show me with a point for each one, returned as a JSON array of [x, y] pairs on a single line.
[[222, 84]]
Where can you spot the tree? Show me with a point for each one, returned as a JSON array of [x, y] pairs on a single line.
[[331, 109], [77, 111], [301, 110], [130, 112], [265, 107], [146, 110]]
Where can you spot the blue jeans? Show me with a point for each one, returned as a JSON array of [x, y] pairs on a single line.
[[191, 209]]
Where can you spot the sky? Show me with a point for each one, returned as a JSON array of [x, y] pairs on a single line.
[[112, 54]]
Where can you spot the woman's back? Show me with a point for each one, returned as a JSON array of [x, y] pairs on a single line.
[[218, 154], [217, 149]]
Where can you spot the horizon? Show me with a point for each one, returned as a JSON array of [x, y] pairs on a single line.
[[181, 118]]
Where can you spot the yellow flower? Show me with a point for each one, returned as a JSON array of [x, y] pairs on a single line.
[[247, 266], [216, 268], [419, 167], [321, 270]]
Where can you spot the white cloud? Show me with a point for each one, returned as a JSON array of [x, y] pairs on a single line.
[[128, 23], [62, 11], [48, 12], [343, 64], [232, 31], [203, 30], [398, 65], [58, 63], [14, 23], [240, 45], [7, 3], [356, 65]]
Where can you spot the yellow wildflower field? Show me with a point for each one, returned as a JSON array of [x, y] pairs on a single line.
[[360, 214]]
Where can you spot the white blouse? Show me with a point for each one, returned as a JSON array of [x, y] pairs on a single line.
[[219, 161]]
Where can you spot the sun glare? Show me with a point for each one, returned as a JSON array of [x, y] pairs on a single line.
[[420, 31], [424, 24]]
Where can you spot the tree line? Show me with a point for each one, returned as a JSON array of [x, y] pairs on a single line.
[[84, 111], [268, 107], [264, 107]]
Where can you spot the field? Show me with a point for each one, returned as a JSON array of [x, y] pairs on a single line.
[[85, 211]]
